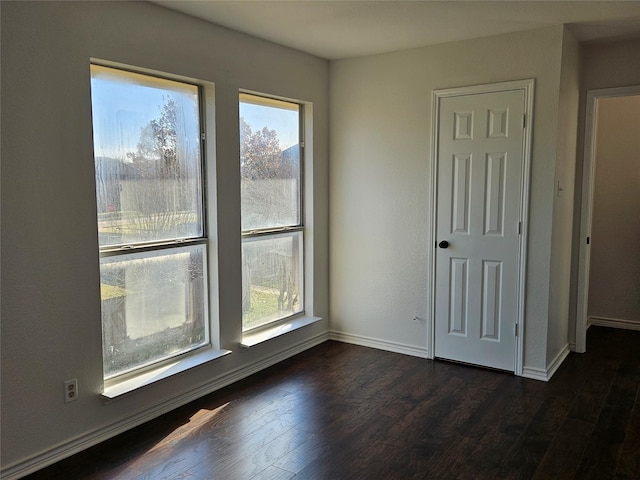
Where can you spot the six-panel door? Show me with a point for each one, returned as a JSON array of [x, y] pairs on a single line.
[[480, 158]]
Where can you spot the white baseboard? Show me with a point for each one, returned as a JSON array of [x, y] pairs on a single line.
[[73, 446], [379, 344], [546, 374], [615, 323], [535, 373]]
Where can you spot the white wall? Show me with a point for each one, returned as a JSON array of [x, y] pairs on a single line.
[[561, 238], [614, 282], [50, 296], [380, 127]]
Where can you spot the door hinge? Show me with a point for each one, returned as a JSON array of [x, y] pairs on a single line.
[[588, 240], [524, 120], [516, 329], [203, 136], [519, 228]]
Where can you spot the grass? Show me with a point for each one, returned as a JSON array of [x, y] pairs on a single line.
[[111, 291], [264, 307]]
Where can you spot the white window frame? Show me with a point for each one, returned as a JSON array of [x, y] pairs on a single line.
[[126, 382], [275, 328]]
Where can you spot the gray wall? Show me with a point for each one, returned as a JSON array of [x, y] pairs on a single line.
[[50, 296], [608, 65], [380, 128], [602, 65]]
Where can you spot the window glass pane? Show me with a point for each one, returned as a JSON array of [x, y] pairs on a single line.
[[147, 157], [153, 306], [269, 163], [272, 278]]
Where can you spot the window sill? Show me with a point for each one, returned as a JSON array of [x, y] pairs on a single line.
[[251, 339], [165, 371]]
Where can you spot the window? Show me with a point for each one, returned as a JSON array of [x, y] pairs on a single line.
[[272, 217], [151, 231]]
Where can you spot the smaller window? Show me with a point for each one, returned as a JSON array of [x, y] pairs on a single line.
[[272, 216]]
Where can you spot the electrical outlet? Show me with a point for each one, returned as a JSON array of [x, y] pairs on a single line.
[[71, 390]]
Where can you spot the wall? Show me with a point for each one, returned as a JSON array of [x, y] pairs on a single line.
[[561, 238], [602, 65], [612, 64], [50, 296], [380, 127], [614, 282]]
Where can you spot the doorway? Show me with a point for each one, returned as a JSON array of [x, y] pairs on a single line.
[[599, 102], [480, 183]]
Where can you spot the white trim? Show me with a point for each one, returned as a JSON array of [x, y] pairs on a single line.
[[546, 374], [555, 364], [119, 388], [535, 373], [431, 234], [615, 323], [50, 456], [528, 87], [379, 344], [252, 339], [586, 208]]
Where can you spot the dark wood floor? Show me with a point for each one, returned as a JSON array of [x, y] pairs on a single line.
[[340, 411]]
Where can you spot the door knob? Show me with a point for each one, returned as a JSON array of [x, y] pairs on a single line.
[[443, 244]]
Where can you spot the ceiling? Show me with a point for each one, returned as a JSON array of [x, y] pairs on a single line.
[[342, 29]]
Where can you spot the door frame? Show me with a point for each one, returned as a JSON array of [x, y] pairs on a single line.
[[586, 207], [527, 86]]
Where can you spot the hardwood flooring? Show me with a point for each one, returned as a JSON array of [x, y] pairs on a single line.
[[341, 411]]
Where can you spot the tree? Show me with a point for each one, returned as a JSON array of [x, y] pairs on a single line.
[[157, 148], [270, 199], [270, 186], [159, 199], [261, 155]]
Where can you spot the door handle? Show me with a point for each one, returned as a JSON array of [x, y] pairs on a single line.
[[443, 244]]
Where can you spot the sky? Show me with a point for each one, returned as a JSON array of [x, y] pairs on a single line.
[[123, 105], [285, 122]]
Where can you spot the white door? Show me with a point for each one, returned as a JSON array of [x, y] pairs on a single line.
[[479, 186]]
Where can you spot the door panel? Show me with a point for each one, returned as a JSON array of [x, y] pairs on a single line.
[[459, 288], [494, 194], [460, 194], [480, 161]]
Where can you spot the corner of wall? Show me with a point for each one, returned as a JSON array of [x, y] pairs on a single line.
[[563, 201]]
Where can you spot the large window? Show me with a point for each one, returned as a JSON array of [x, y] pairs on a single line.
[[272, 217], [152, 237]]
